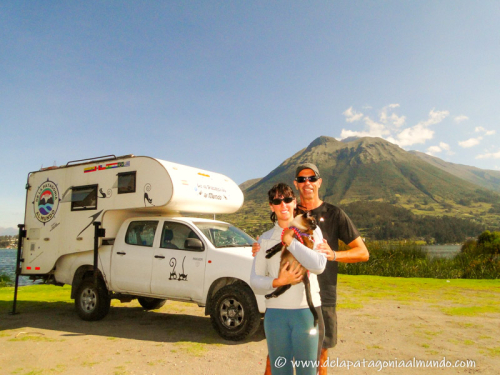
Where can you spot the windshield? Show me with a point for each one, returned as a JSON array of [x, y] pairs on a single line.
[[225, 235]]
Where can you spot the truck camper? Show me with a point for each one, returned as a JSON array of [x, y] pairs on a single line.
[[114, 228]]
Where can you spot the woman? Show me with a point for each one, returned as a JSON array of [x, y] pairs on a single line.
[[288, 322]]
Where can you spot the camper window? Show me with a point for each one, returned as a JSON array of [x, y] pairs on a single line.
[[84, 198], [141, 233], [126, 182]]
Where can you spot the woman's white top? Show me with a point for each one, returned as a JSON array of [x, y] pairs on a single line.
[[264, 271]]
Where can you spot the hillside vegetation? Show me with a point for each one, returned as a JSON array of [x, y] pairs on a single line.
[[409, 196]]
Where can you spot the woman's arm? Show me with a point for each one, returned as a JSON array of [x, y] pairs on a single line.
[[261, 283], [309, 259]]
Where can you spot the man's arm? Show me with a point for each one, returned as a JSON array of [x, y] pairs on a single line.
[[357, 252]]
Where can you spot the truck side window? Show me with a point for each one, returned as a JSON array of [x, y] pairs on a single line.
[[174, 236], [84, 198], [126, 182], [141, 233]]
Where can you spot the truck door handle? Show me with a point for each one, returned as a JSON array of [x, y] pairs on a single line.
[[159, 256], [121, 253]]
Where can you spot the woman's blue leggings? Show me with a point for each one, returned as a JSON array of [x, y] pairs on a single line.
[[291, 337]]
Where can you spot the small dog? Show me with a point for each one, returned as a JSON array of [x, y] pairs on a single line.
[[305, 224]]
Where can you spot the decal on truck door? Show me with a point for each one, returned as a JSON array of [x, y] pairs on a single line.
[[46, 201], [183, 276], [173, 275]]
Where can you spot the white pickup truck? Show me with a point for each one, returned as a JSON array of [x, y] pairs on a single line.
[[113, 227], [158, 258]]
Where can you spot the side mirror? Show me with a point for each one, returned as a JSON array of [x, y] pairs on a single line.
[[193, 244]]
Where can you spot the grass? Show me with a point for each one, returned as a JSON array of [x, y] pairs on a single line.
[[36, 297], [471, 310], [398, 259], [457, 297], [494, 352], [195, 349], [34, 338]]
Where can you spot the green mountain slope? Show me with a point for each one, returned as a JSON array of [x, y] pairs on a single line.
[[486, 178], [374, 169]]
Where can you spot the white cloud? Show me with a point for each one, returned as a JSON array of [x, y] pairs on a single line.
[[486, 132], [435, 117], [414, 135], [377, 129], [470, 142], [351, 115], [392, 119], [434, 150], [459, 119], [492, 155], [444, 146], [391, 127], [437, 149], [350, 133]]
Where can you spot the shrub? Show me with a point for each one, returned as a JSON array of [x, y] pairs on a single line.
[[411, 260], [5, 280]]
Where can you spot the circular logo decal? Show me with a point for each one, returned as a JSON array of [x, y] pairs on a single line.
[[46, 201]]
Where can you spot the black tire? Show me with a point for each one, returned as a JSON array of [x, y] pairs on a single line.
[[92, 302], [234, 313], [151, 303]]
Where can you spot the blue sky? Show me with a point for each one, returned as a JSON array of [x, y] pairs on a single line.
[[238, 87]]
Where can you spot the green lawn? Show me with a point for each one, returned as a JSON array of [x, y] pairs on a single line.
[[453, 297]]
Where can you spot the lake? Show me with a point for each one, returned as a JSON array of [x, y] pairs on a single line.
[[442, 251], [8, 266]]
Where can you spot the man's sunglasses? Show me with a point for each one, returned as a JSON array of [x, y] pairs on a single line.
[[277, 201], [302, 179]]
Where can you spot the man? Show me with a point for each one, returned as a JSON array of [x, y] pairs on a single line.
[[335, 225]]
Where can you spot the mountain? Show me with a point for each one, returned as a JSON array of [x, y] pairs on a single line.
[[8, 231], [486, 178], [248, 183], [374, 169]]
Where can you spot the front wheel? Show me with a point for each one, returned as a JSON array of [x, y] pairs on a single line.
[[235, 314], [151, 303], [92, 302]]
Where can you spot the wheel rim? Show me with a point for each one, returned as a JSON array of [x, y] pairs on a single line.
[[88, 300], [231, 313]]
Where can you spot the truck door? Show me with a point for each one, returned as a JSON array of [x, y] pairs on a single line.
[[178, 264], [133, 258]]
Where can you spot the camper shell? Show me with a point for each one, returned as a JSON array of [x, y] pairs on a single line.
[[63, 202], [114, 227]]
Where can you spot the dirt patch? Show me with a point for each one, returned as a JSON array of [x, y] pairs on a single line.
[[49, 338]]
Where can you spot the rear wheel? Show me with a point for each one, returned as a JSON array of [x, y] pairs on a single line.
[[92, 301], [235, 314], [151, 303]]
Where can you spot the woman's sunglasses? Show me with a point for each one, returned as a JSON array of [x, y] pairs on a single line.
[[302, 179], [277, 201]]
